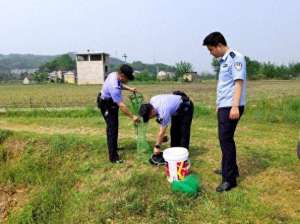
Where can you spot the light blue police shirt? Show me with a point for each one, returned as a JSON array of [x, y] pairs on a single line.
[[166, 106], [112, 88], [232, 67]]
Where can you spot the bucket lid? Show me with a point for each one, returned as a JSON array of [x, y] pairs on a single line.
[[176, 154]]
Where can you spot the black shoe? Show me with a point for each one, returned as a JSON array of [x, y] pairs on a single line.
[[157, 159], [226, 186], [119, 161]]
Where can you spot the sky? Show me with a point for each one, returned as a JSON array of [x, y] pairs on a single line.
[[166, 31]]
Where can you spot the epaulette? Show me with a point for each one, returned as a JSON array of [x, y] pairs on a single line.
[[232, 54]]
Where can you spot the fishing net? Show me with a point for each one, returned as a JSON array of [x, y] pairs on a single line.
[[190, 186], [143, 146]]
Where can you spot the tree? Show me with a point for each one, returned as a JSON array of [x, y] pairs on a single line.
[[182, 68], [216, 66], [63, 62], [253, 68], [145, 76], [40, 76]]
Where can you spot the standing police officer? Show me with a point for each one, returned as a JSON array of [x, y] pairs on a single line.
[[176, 109], [109, 101], [231, 93]]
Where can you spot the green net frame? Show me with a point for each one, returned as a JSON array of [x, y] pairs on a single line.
[[136, 100]]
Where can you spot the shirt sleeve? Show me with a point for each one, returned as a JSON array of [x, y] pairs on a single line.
[[116, 94], [239, 68], [165, 119]]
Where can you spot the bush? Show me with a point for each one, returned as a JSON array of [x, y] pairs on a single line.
[[145, 76], [4, 134]]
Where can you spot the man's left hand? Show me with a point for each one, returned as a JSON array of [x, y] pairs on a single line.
[[156, 150], [234, 113], [134, 90]]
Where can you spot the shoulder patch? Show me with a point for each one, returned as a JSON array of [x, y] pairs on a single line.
[[232, 54], [238, 66]]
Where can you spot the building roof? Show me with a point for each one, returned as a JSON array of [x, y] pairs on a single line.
[[91, 53]]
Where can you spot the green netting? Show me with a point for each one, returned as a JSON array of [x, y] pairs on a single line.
[[190, 185], [136, 101], [141, 128]]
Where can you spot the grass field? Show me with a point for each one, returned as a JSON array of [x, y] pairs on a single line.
[[54, 169]]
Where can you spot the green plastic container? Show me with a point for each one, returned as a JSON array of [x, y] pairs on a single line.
[[190, 185]]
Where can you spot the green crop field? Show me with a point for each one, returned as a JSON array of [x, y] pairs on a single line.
[[54, 166]]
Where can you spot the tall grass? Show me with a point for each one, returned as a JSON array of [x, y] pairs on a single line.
[[284, 109]]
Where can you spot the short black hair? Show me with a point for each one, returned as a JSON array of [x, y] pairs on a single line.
[[144, 111], [127, 70], [213, 39]]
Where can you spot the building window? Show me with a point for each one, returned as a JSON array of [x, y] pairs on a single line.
[[82, 57], [96, 57]]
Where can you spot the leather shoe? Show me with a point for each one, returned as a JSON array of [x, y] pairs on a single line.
[[226, 186], [157, 159], [119, 161]]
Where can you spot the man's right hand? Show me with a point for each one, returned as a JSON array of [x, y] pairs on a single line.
[[136, 119]]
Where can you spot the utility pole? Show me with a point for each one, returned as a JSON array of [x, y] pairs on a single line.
[[125, 57]]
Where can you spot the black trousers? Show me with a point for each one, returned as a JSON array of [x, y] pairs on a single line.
[[110, 113], [226, 137], [181, 125]]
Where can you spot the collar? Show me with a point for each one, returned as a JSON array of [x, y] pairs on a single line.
[[225, 56]]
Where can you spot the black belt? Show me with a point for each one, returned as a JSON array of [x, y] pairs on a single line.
[[183, 95], [186, 102], [104, 102]]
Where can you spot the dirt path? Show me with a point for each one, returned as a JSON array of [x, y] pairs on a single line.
[[51, 130], [59, 130]]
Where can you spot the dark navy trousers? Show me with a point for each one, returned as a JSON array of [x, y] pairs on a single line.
[[181, 125], [110, 113], [226, 131]]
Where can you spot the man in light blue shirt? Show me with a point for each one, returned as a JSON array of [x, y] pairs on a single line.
[[231, 99], [109, 101], [232, 69], [175, 109]]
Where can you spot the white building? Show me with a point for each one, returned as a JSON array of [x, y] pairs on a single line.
[[24, 70], [91, 67], [163, 75], [69, 77], [190, 77], [26, 81]]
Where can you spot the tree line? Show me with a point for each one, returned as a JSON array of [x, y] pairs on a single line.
[[265, 70], [147, 72]]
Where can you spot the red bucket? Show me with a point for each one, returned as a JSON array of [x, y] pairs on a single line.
[[183, 169]]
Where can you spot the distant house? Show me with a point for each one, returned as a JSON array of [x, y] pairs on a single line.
[[163, 75], [190, 77], [62, 76], [53, 77], [23, 70], [136, 72], [26, 81], [69, 77], [91, 67]]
